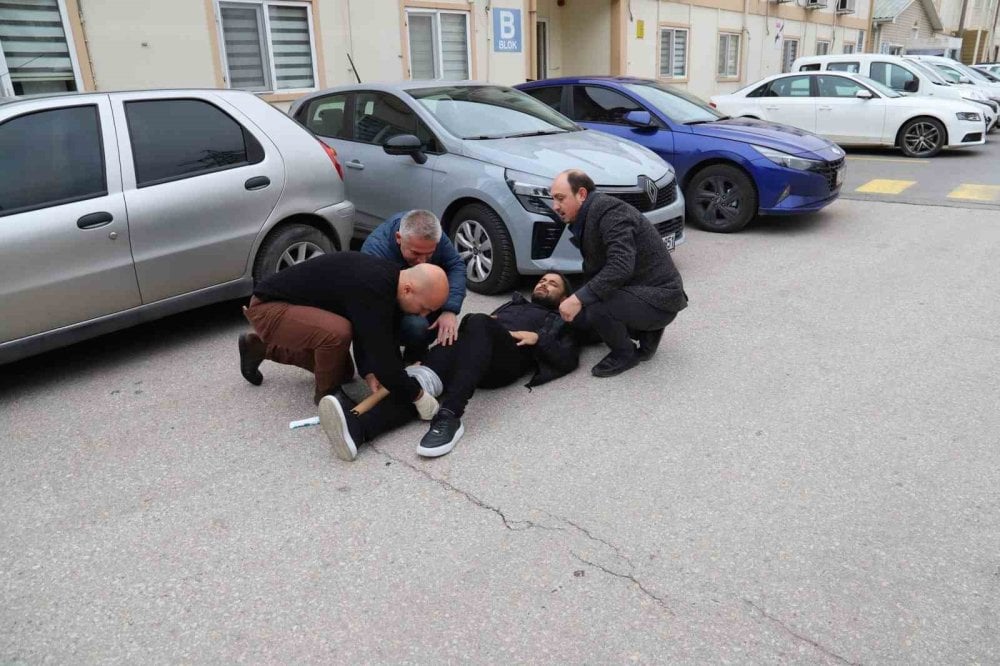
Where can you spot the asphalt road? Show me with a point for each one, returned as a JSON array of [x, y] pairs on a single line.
[[807, 472], [964, 178]]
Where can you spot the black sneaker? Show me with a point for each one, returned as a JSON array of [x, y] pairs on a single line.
[[648, 342], [612, 365], [446, 430], [343, 428], [252, 351]]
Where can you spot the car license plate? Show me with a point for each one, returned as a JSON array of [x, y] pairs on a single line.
[[668, 240], [840, 174]]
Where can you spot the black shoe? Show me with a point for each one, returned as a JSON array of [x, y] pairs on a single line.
[[446, 430], [343, 428], [252, 351], [612, 365], [648, 342]]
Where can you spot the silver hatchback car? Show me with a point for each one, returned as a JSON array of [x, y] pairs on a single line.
[[118, 208], [482, 156]]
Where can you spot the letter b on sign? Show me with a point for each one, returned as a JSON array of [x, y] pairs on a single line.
[[506, 30]]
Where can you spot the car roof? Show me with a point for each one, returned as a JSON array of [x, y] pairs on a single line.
[[10, 101], [566, 80]]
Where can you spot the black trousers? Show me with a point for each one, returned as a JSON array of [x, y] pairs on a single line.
[[484, 356], [617, 319]]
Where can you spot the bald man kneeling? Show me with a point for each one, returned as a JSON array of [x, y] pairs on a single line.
[[308, 314]]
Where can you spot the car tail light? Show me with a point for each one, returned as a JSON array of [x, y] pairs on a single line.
[[332, 154], [712, 104]]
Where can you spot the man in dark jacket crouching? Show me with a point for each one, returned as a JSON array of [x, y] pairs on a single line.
[[633, 289], [491, 351]]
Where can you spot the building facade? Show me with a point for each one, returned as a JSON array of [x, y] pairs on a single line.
[[282, 49]]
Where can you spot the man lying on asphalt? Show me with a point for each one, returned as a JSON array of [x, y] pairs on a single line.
[[492, 351], [416, 238], [306, 314], [633, 289]]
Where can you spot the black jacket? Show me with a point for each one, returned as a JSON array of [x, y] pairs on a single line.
[[622, 250], [557, 352]]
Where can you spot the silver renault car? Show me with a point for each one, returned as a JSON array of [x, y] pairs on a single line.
[[118, 208], [481, 156]]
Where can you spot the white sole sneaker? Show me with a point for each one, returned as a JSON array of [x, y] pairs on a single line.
[[331, 417], [439, 451]]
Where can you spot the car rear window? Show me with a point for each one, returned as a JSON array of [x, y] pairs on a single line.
[[181, 138]]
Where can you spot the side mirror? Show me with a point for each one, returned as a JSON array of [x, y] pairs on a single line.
[[640, 119], [911, 86], [406, 144], [964, 79], [864, 94]]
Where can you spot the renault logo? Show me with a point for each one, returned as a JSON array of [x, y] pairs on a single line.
[[650, 188]]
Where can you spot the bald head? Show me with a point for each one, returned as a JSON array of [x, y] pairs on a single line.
[[423, 289], [569, 190]]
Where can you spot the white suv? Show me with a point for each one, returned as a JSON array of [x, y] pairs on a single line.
[[904, 75]]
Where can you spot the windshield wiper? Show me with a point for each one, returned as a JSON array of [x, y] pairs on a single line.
[[710, 120], [483, 137], [538, 133]]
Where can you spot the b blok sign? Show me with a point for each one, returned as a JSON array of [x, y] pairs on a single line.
[[506, 30]]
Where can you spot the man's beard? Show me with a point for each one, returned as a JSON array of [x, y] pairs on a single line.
[[547, 301]]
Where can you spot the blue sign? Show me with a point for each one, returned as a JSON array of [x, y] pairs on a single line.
[[506, 30]]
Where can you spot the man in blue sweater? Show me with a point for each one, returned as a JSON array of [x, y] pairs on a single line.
[[416, 238]]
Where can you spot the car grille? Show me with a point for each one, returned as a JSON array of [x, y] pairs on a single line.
[[674, 226], [829, 171], [544, 238], [665, 196]]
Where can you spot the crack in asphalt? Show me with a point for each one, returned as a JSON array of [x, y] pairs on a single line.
[[629, 577], [795, 634], [509, 523], [524, 525]]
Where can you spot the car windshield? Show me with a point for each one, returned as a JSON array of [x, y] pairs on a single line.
[[880, 88], [989, 76], [491, 112], [680, 107], [974, 73], [930, 72]]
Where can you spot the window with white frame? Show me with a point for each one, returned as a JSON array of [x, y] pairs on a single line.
[[673, 53], [439, 44], [268, 46], [822, 47], [36, 50], [789, 52], [728, 56]]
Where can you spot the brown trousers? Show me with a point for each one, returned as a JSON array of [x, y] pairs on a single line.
[[310, 338]]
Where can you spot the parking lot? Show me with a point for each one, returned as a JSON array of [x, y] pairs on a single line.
[[964, 178], [807, 472]]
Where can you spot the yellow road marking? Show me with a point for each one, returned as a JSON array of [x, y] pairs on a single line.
[[976, 192], [884, 186], [886, 159]]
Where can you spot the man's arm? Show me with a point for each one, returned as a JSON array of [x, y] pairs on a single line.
[[557, 347], [618, 236], [381, 242], [451, 262], [377, 351]]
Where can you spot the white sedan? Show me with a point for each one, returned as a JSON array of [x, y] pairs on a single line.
[[854, 110]]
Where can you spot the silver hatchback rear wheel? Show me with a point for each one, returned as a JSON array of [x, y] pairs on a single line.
[[288, 246]]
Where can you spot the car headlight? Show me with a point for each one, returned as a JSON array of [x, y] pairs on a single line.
[[971, 117], [786, 160], [534, 197]]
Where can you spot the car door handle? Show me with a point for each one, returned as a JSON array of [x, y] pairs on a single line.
[[354, 164], [95, 220], [258, 183], [770, 108], [826, 108]]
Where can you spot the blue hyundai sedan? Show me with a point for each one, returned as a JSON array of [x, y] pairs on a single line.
[[730, 169]]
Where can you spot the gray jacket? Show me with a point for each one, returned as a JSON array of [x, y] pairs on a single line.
[[622, 250]]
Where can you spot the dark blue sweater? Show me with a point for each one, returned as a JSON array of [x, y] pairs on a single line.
[[382, 243]]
